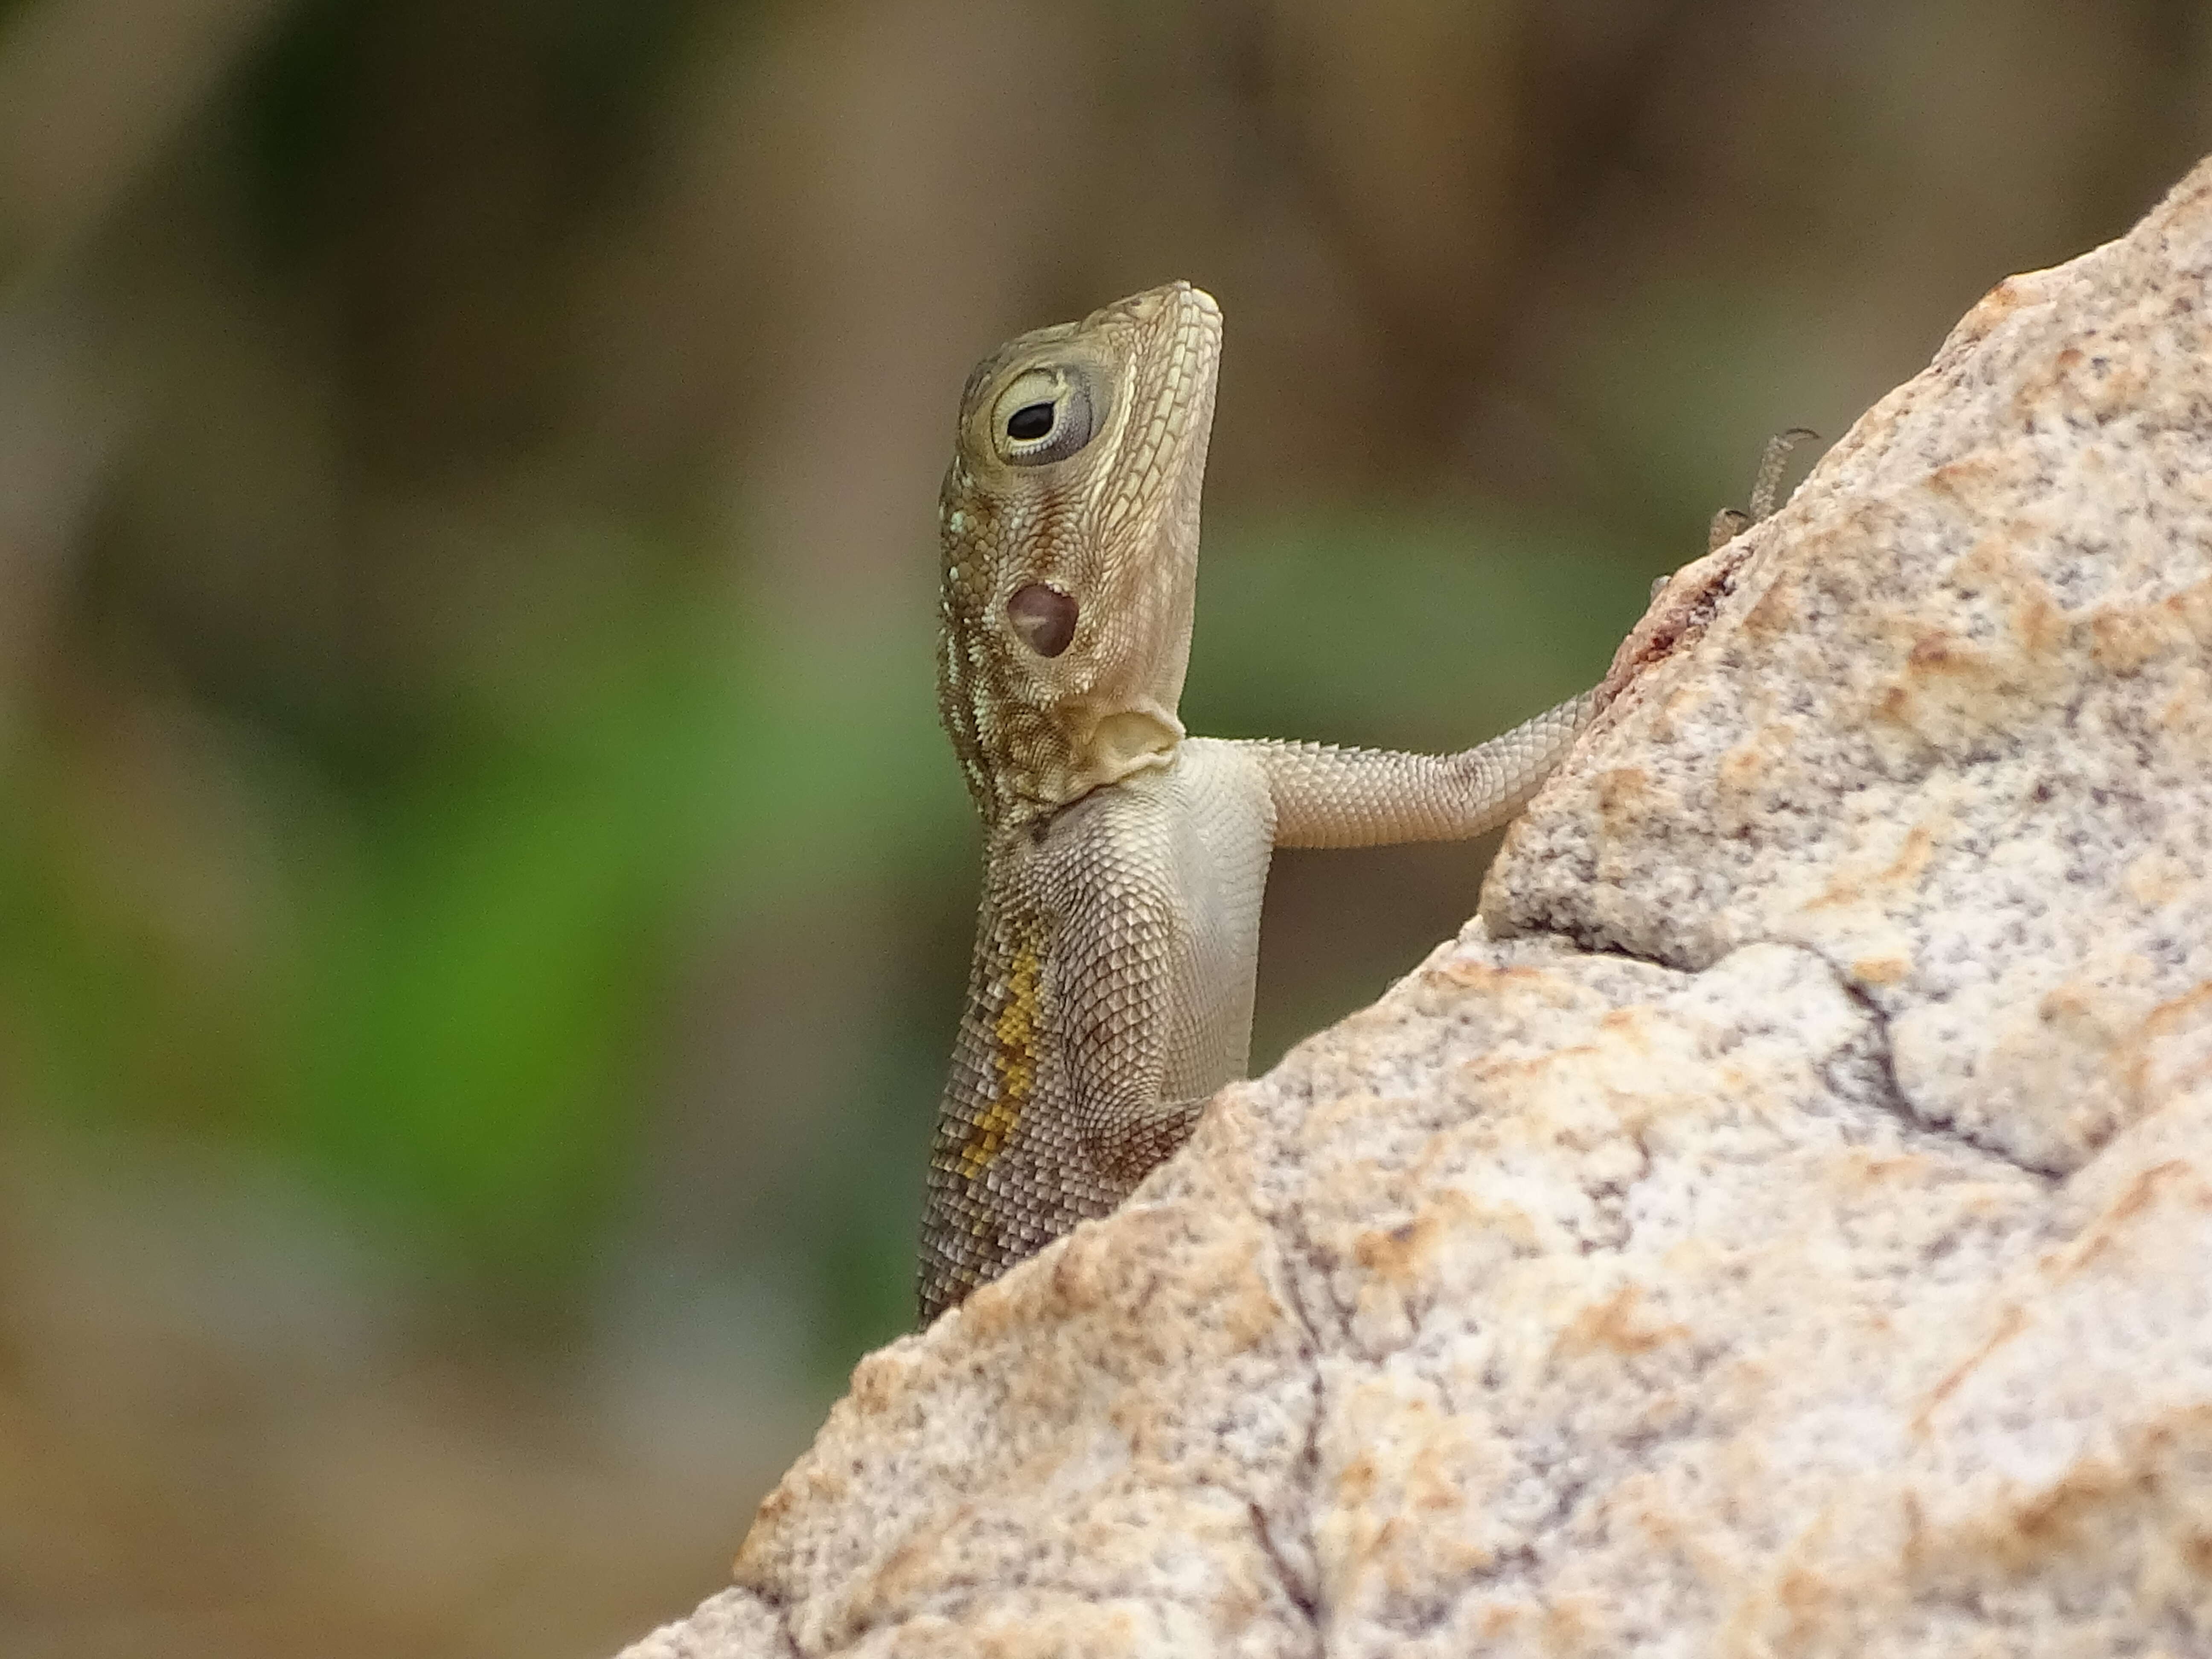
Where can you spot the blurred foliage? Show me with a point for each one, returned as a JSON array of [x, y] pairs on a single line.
[[304, 97], [453, 988]]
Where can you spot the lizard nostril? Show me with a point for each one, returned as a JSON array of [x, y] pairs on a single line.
[[1043, 616]]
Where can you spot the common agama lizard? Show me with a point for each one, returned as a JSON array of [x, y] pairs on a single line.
[[1111, 990]]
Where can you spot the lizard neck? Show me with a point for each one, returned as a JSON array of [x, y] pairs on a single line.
[[1023, 764]]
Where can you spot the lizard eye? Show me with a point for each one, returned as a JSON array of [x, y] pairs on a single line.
[[1043, 616], [1044, 416]]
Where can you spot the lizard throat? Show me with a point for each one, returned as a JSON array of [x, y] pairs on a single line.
[[1036, 769], [1129, 742]]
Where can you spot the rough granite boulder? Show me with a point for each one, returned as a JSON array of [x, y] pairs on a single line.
[[1779, 1225]]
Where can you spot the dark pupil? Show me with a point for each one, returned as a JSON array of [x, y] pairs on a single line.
[[1030, 422]]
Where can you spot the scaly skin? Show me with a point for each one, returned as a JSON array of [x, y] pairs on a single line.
[[1124, 863]]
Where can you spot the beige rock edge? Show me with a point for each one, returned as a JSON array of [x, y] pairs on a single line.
[[1779, 1225]]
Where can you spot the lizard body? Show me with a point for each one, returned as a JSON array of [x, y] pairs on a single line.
[[1110, 993]]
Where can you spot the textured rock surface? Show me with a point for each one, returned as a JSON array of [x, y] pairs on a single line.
[[1778, 1227]]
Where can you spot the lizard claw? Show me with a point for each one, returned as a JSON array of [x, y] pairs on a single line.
[[1731, 522]]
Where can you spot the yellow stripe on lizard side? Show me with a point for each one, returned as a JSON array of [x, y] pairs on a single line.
[[1014, 1059]]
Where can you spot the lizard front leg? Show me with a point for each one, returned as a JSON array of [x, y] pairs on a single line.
[[1325, 796]]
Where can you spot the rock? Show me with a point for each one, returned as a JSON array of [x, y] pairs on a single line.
[[1779, 1225]]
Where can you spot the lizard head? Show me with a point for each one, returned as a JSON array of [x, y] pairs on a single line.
[[1070, 530]]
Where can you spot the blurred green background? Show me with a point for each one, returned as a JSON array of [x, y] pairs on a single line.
[[483, 902]]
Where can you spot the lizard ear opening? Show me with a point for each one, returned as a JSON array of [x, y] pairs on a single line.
[[1043, 617]]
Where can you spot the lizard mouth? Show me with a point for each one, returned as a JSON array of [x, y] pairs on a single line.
[[1180, 327], [1196, 348], [1184, 322]]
